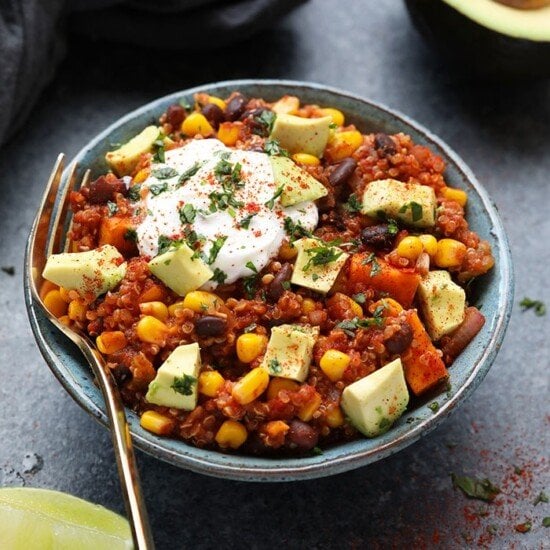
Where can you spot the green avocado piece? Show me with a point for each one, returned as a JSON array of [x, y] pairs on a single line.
[[298, 185], [485, 37], [95, 271], [302, 135], [375, 402], [123, 160], [179, 270]]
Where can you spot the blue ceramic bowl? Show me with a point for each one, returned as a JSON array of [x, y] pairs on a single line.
[[494, 290]]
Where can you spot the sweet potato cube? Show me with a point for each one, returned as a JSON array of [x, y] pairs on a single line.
[[118, 232]]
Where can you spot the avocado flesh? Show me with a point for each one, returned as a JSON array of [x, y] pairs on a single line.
[[485, 38]]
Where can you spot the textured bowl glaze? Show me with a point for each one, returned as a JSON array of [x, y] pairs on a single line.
[[494, 290]]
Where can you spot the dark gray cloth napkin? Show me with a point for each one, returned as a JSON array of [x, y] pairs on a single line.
[[32, 35]]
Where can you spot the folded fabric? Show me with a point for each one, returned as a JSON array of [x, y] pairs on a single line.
[[32, 35]]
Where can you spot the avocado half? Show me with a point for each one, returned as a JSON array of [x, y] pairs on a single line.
[[486, 37]]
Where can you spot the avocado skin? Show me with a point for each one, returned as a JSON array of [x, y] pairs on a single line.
[[475, 49]]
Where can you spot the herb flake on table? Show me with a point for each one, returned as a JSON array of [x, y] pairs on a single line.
[[481, 489], [542, 497], [546, 521], [8, 270], [537, 306]]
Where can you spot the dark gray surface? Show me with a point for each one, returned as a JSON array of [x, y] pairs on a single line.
[[502, 132]]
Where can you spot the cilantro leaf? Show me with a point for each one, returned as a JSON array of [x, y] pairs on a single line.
[[219, 276], [134, 192], [215, 250], [322, 255], [184, 384], [164, 173], [353, 204], [112, 208], [245, 222], [188, 213], [273, 148], [271, 202], [158, 188], [189, 173], [481, 489], [416, 210]]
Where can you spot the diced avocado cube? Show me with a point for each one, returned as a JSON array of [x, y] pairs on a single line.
[[376, 401], [290, 350], [411, 203], [302, 135], [124, 159], [94, 271], [178, 270], [298, 185], [317, 265], [442, 303], [175, 384]]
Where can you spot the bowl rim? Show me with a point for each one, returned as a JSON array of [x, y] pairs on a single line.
[[248, 468]]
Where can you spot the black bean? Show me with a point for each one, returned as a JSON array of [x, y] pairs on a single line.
[[174, 115], [277, 286], [235, 107], [385, 144], [400, 340], [302, 435], [213, 114], [342, 172], [378, 236], [253, 113], [210, 325]]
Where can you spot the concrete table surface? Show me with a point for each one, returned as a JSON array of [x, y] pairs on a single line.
[[501, 131]]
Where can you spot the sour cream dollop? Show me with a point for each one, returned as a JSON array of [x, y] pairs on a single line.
[[251, 229]]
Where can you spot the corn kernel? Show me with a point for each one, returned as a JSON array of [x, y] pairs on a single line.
[[231, 434], [410, 248], [429, 244], [55, 304], [200, 301], [64, 320], [154, 293], [111, 341], [249, 346], [457, 195], [276, 427], [156, 309], [210, 383], [217, 101], [64, 293], [250, 386], [196, 123], [355, 307], [450, 253], [336, 115], [46, 287], [172, 308], [306, 411], [142, 175], [392, 308], [287, 105], [334, 363], [278, 384], [343, 144], [77, 311], [334, 417], [308, 305], [305, 158], [152, 421], [149, 329], [228, 133]]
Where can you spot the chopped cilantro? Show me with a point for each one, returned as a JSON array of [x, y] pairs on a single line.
[[538, 307], [184, 384], [317, 451], [360, 298], [393, 228], [272, 147], [165, 243], [219, 276], [286, 285], [434, 407], [274, 366], [189, 173], [481, 489], [249, 286], [322, 255], [353, 204], [546, 522], [186, 104], [251, 266], [187, 213], [542, 497], [8, 270], [349, 326], [271, 202], [375, 268], [158, 188], [164, 173], [245, 222], [315, 276], [130, 235], [112, 208], [215, 250], [333, 126], [295, 230], [134, 192], [384, 424], [158, 148], [265, 119], [416, 210]]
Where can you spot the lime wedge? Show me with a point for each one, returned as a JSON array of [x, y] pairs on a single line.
[[39, 519]]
